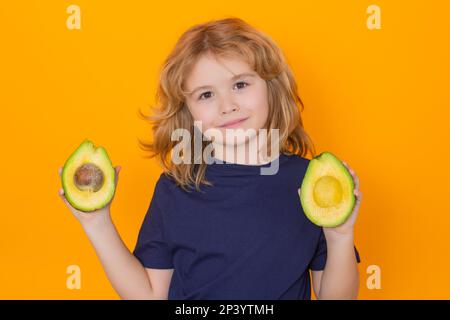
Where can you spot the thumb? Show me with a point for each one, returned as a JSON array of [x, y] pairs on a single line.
[[62, 196]]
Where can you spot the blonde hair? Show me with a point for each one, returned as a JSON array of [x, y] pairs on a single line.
[[226, 37]]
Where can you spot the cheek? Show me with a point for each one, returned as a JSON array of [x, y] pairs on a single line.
[[258, 105], [203, 114]]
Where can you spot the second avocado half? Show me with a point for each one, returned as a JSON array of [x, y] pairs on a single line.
[[326, 192], [88, 177]]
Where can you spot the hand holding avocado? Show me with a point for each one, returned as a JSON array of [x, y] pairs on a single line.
[[330, 194], [89, 182], [347, 227]]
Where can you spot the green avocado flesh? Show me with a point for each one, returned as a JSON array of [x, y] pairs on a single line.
[[88, 177], [326, 193]]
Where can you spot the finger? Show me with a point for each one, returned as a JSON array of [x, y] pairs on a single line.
[[346, 164], [356, 180], [62, 196], [355, 212], [353, 174], [357, 204], [66, 202], [358, 196], [60, 170], [348, 167], [117, 170]]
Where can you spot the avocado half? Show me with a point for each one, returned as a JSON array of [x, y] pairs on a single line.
[[326, 192], [88, 177]]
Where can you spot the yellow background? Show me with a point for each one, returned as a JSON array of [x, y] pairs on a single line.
[[379, 99]]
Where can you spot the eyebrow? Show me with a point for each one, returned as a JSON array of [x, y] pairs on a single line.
[[245, 74]]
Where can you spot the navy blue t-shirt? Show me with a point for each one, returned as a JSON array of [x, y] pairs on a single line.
[[246, 237]]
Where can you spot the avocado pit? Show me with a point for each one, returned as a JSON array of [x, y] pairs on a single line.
[[88, 177]]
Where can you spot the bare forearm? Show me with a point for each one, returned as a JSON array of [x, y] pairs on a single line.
[[340, 279], [124, 271]]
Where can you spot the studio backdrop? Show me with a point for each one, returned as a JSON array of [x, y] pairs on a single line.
[[374, 78]]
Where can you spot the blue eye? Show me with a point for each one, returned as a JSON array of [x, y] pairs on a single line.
[[240, 82]]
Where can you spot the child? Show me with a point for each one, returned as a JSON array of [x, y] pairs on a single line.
[[216, 227]]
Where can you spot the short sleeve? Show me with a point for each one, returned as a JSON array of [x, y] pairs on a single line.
[[152, 248], [320, 256]]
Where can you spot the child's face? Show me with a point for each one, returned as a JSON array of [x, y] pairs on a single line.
[[226, 98]]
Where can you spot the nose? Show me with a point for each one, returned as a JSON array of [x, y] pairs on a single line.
[[231, 109], [228, 106]]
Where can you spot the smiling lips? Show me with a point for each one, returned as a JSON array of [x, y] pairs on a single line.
[[234, 123]]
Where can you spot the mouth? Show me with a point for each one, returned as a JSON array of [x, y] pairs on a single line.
[[233, 124]]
